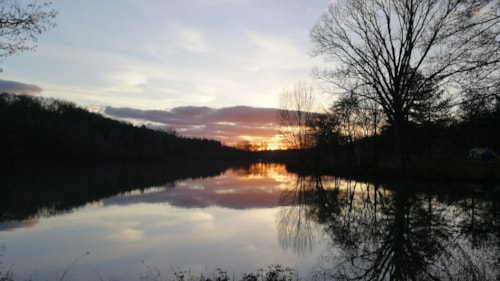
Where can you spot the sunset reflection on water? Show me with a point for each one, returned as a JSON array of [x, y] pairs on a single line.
[[227, 221], [258, 186], [247, 218]]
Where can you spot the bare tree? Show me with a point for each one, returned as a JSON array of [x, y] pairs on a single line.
[[20, 25], [248, 146], [325, 129], [346, 109], [370, 119], [479, 104], [378, 47], [296, 105]]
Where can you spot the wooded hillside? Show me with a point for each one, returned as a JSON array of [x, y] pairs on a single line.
[[35, 128]]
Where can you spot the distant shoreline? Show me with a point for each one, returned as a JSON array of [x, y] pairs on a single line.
[[453, 170]]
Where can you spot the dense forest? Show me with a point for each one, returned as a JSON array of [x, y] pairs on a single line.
[[43, 129], [448, 139]]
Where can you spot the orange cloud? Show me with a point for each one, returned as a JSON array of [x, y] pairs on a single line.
[[230, 125]]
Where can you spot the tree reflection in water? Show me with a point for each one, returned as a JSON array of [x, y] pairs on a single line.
[[395, 232], [296, 230]]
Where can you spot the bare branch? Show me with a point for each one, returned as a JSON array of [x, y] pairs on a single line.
[[20, 25], [296, 105], [385, 44]]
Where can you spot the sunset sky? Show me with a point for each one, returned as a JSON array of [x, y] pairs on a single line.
[[140, 57]]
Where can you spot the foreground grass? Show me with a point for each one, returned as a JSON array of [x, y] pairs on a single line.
[[272, 273]]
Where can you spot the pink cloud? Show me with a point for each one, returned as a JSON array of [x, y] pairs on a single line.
[[14, 87], [228, 125]]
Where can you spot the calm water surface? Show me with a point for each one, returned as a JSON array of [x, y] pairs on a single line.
[[246, 218]]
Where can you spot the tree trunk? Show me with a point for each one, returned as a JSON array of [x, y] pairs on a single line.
[[375, 145], [400, 144], [353, 151]]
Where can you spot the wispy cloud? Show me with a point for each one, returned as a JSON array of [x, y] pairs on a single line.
[[229, 125], [15, 87], [189, 39], [162, 54]]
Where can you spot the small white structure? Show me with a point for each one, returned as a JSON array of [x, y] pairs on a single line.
[[482, 153]]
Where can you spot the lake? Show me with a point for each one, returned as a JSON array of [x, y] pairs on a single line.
[[136, 222]]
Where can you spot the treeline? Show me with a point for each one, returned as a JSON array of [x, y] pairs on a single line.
[[355, 133], [436, 132], [45, 129]]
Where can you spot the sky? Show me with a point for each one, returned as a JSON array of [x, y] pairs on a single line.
[[131, 56]]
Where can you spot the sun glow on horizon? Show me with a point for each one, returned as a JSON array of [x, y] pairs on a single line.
[[258, 143]]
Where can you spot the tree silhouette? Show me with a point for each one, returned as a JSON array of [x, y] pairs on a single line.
[[41, 129], [379, 47], [296, 105]]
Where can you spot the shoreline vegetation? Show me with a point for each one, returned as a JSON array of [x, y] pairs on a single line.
[[41, 131], [275, 272], [436, 171]]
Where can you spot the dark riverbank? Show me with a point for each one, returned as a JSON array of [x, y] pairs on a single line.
[[449, 171]]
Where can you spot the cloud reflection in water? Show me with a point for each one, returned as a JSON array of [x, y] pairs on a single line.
[[226, 222], [259, 187]]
